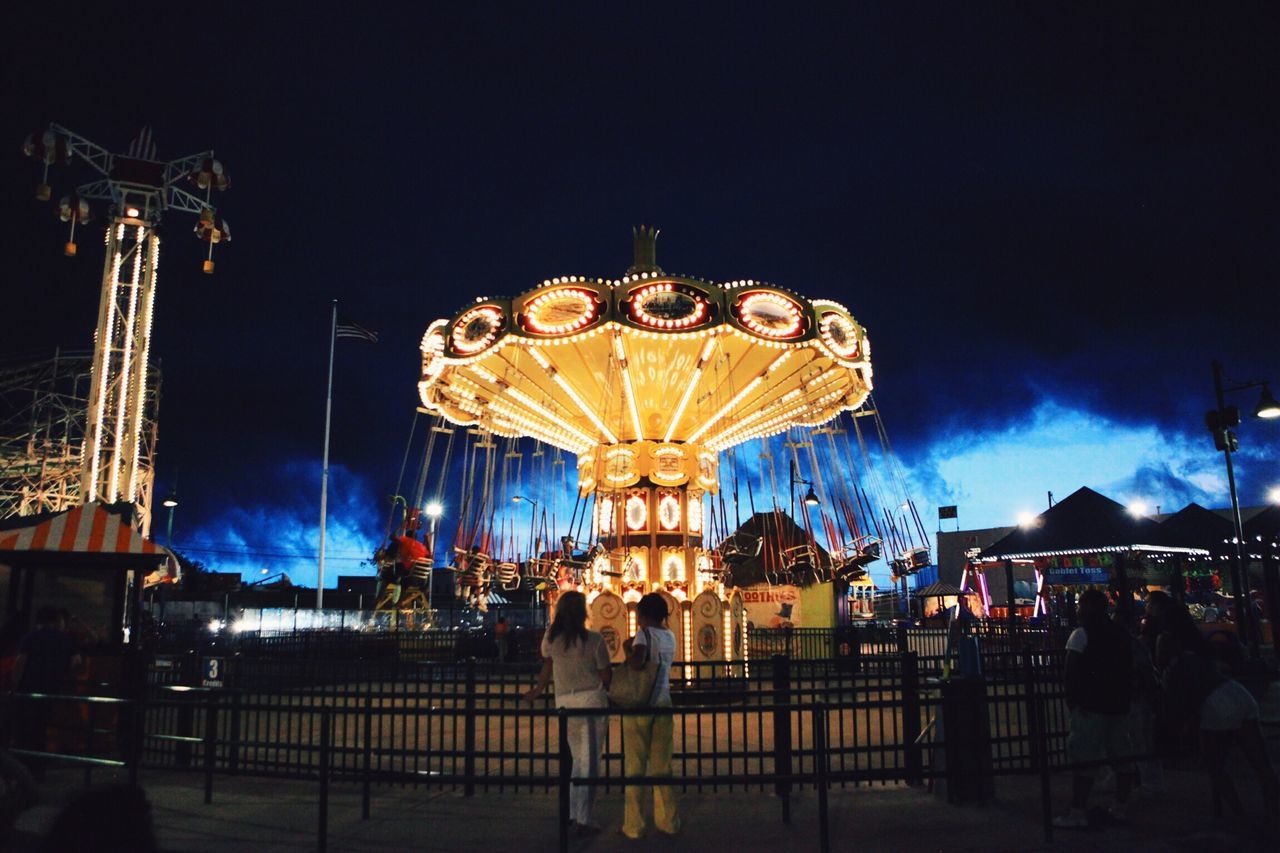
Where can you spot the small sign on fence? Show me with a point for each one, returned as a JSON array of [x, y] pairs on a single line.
[[212, 671]]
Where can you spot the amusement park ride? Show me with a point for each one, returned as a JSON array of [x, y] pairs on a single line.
[[112, 461], [659, 385]]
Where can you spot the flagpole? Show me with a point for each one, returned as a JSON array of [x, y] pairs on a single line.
[[324, 475]]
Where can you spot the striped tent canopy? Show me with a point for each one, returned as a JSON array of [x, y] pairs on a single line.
[[88, 529]]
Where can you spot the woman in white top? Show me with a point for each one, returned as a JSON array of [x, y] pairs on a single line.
[[578, 661], [647, 742]]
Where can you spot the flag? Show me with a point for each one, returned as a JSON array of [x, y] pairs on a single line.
[[355, 330], [947, 512]]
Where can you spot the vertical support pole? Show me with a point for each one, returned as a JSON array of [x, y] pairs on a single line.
[[469, 732], [820, 760], [322, 835], [137, 719], [1271, 592], [566, 766], [782, 731], [1010, 598], [913, 751], [233, 738], [368, 754], [324, 472], [210, 743], [1039, 756]]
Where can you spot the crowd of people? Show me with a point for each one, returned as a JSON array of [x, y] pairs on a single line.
[[1134, 688]]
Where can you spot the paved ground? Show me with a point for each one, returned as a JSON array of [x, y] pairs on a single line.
[[269, 816]]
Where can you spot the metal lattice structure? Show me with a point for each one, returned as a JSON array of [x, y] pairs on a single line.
[[115, 439], [43, 404]]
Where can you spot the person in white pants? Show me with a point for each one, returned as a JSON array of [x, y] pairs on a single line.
[[577, 660]]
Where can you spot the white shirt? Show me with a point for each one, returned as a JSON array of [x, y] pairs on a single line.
[[663, 651], [1078, 641]]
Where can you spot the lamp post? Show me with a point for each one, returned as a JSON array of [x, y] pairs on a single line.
[[1220, 422], [170, 503], [810, 498], [434, 511]]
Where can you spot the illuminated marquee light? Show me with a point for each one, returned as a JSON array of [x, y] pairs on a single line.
[[706, 469], [673, 567], [728, 636], [669, 511], [477, 328], [610, 438], [695, 514], [770, 315], [665, 306], [126, 366], [668, 467], [561, 311], [628, 391], [840, 334], [539, 409], [148, 313], [95, 463], [564, 435], [637, 513], [686, 622], [620, 465], [606, 515], [778, 423], [726, 408]]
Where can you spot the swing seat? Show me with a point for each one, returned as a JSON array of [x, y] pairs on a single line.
[[420, 569], [508, 575], [740, 547], [917, 558], [540, 568]]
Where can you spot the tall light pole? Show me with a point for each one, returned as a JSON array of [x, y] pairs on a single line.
[[1221, 421], [434, 511], [170, 503]]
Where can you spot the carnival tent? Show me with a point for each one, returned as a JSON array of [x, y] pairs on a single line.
[[1084, 522], [1195, 526], [764, 539]]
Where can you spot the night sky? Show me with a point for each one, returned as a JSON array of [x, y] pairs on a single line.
[[1050, 220]]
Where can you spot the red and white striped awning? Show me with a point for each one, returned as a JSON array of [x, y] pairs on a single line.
[[88, 529]]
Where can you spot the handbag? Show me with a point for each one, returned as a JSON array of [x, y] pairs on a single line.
[[633, 688]]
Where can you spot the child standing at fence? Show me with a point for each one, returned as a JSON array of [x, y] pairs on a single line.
[[578, 660], [647, 741]]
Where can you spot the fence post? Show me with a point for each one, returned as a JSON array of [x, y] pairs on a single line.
[[566, 765], [903, 645], [137, 722], [210, 743], [322, 835], [782, 731], [469, 732], [820, 761], [233, 745], [913, 750], [368, 753], [1039, 756]]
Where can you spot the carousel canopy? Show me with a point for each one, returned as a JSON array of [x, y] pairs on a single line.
[[583, 362], [1085, 522]]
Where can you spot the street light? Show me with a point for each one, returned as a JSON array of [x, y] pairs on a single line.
[[1221, 421], [810, 497], [171, 504], [434, 510]]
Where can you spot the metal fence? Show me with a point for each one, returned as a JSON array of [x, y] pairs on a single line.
[[764, 725]]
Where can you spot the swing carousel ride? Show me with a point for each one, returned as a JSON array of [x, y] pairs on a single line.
[[678, 397]]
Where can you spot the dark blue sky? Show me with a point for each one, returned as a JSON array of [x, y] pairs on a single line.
[[1049, 219]]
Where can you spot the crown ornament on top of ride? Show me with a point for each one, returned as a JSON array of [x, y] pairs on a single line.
[[138, 187]]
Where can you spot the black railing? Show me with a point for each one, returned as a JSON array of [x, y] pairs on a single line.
[[774, 725]]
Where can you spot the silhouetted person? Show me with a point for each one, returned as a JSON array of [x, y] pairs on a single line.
[[45, 658], [103, 820], [1099, 676]]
